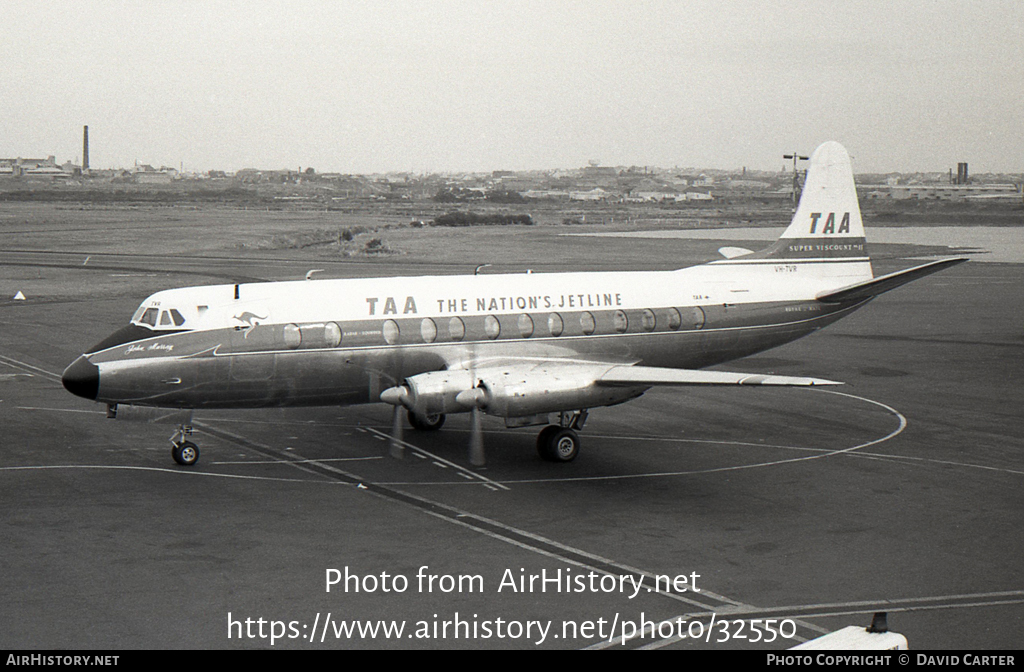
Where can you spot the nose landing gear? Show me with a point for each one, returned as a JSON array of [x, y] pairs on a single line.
[[184, 452]]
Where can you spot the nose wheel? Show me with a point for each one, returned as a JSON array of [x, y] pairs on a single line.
[[184, 452]]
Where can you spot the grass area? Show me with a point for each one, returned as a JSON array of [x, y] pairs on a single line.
[[372, 232]]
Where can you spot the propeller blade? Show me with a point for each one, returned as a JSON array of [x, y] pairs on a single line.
[[476, 439], [397, 447]]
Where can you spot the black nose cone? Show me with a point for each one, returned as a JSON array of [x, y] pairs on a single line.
[[82, 378]]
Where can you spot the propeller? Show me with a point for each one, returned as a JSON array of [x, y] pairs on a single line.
[[397, 397], [475, 398], [397, 446], [476, 439]]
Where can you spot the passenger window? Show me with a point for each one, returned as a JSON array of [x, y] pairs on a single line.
[[674, 319], [525, 325], [456, 329], [621, 323], [587, 323], [555, 324], [391, 332], [492, 327], [649, 321], [332, 334], [292, 336], [428, 330]]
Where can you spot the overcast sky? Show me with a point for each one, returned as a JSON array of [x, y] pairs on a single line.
[[363, 87]]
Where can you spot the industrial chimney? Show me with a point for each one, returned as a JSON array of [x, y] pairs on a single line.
[[85, 148], [961, 173]]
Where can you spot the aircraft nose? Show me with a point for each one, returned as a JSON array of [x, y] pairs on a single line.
[[82, 378]]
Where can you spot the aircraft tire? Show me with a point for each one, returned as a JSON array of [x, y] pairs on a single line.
[[429, 423], [186, 454], [558, 444]]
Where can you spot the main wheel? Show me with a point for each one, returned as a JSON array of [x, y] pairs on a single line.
[[558, 444], [430, 423], [185, 453]]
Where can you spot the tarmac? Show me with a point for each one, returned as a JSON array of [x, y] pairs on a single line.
[[898, 492]]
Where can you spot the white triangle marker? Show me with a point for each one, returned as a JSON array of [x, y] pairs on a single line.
[[19, 296]]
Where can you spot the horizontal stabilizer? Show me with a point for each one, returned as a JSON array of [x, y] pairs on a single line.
[[876, 286], [733, 252], [652, 375]]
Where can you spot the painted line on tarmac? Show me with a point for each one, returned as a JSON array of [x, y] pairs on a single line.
[[479, 524], [520, 538], [463, 471], [744, 444], [29, 368], [59, 410], [757, 465], [179, 472], [327, 459]]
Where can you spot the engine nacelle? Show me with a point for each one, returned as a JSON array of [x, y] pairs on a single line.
[[517, 393], [435, 391], [512, 392]]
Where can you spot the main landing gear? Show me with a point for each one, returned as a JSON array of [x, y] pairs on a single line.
[[561, 442], [184, 452], [429, 423]]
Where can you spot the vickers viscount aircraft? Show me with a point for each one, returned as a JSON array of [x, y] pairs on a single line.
[[532, 348]]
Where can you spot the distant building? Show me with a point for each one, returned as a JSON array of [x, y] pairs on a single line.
[[153, 177], [556, 194], [655, 196], [749, 185], [954, 192], [32, 168], [596, 194]]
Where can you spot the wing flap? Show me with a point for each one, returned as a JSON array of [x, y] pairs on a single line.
[[651, 375], [876, 286]]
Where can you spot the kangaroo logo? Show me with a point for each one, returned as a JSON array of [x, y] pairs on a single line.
[[250, 320]]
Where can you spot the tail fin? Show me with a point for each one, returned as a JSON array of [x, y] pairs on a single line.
[[827, 224]]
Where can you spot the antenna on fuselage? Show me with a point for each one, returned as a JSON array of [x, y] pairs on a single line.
[[310, 272], [477, 271]]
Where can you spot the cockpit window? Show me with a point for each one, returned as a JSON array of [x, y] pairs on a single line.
[[150, 317]]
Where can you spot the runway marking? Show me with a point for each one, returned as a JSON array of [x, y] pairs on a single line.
[[828, 609], [757, 465], [462, 471], [328, 459], [60, 410], [491, 528], [180, 472], [29, 368], [507, 533], [863, 455]]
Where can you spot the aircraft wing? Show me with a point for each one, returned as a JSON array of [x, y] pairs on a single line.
[[632, 376], [876, 286]]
